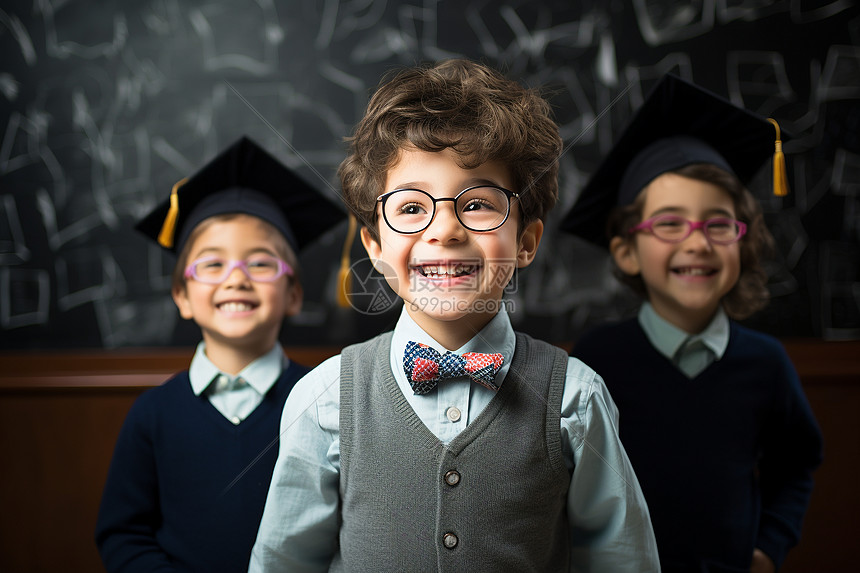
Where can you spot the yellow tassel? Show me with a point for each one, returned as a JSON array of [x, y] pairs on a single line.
[[168, 229], [344, 277], [780, 178]]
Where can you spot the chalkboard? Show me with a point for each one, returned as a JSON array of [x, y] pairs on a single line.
[[105, 105]]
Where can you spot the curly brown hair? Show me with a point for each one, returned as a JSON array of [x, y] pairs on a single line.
[[462, 105], [750, 293]]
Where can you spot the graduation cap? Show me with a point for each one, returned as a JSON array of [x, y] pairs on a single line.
[[679, 124], [244, 178]]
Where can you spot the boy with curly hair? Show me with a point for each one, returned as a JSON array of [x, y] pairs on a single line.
[[452, 443]]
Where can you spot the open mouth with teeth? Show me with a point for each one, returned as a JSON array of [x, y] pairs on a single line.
[[443, 271], [694, 271], [234, 306]]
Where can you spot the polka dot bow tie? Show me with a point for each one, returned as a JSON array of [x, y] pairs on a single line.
[[425, 367]]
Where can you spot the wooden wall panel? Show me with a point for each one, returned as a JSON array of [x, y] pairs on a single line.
[[832, 528], [56, 447]]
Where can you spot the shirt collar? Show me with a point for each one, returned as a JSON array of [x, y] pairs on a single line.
[[261, 374], [668, 338], [496, 337]]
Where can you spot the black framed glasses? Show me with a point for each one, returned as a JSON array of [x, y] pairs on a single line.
[[215, 270], [674, 229], [481, 208]]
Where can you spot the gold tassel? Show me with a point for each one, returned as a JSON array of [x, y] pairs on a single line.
[[168, 229], [780, 177], [344, 277]]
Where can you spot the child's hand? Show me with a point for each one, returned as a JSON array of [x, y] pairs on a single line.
[[761, 563]]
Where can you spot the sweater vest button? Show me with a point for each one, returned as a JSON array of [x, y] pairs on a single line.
[[450, 540], [452, 477]]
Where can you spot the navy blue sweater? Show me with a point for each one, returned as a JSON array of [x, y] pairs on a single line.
[[725, 460], [186, 487]]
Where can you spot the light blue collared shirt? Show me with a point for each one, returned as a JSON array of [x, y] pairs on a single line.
[[609, 521], [690, 353], [236, 396]]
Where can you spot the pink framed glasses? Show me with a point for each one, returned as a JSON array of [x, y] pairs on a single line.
[[215, 270], [674, 229]]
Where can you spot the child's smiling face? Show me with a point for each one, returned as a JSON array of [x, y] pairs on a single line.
[[450, 278], [238, 313], [685, 281]]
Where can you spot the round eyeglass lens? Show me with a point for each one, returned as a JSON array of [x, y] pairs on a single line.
[[670, 228], [722, 230], [483, 208], [263, 268], [408, 210]]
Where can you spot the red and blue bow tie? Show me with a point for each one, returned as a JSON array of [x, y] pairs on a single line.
[[424, 367]]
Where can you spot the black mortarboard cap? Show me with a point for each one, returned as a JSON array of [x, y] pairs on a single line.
[[244, 178], [679, 124]]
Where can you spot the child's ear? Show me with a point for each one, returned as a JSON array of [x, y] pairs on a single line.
[[371, 245], [180, 297], [528, 243], [294, 298], [624, 254]]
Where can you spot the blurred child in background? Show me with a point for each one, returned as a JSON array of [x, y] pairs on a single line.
[[712, 414], [193, 461]]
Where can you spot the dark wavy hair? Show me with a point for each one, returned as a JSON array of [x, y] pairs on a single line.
[[750, 293], [462, 105]]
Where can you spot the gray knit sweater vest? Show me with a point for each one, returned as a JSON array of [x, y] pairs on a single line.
[[493, 499]]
